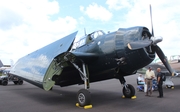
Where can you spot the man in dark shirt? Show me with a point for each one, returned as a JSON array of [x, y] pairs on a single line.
[[160, 82]]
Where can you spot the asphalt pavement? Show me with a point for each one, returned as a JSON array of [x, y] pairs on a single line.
[[106, 97]]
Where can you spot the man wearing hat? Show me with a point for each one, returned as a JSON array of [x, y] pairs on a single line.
[[149, 76]]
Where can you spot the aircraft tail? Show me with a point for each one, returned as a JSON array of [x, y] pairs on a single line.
[[1, 64]]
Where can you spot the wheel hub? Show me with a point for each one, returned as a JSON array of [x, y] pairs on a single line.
[[128, 91], [81, 98]]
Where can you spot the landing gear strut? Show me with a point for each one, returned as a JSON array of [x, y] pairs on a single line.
[[128, 89], [83, 95]]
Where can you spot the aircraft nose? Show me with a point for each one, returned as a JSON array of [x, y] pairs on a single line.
[[156, 40]]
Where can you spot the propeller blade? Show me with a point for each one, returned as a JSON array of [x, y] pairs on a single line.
[[151, 21], [139, 44], [163, 58], [158, 50]]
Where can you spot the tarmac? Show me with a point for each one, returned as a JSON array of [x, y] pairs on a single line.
[[106, 96]]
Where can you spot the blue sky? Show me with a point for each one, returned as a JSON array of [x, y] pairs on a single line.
[[27, 25]]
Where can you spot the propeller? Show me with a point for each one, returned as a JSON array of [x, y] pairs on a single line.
[[158, 50], [152, 43]]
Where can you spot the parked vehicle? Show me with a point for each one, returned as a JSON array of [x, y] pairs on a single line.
[[6, 77]]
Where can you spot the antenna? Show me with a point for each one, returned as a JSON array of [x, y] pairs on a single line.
[[85, 31]]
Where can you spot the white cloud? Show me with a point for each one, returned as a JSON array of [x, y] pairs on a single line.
[[26, 26], [118, 4], [97, 12], [9, 18]]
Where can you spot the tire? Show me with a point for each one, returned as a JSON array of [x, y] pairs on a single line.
[[169, 86], [129, 91], [15, 82], [83, 97], [4, 82], [20, 82]]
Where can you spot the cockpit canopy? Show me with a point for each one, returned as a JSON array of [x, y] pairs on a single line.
[[96, 34], [88, 38]]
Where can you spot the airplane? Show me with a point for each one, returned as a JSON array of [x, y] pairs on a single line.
[[4, 67], [175, 59], [96, 57]]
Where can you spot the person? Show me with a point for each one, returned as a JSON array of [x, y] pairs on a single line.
[[149, 76], [141, 80], [159, 82]]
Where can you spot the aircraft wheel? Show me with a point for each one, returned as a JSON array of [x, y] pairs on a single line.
[[83, 97], [168, 86], [129, 91], [4, 82]]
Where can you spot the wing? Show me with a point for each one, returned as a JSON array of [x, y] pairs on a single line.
[[35, 67]]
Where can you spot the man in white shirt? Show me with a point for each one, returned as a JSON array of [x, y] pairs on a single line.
[[140, 79], [149, 76]]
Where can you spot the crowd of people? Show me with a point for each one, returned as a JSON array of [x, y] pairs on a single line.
[[147, 80]]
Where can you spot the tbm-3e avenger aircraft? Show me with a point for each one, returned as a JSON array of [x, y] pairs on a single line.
[[101, 57]]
